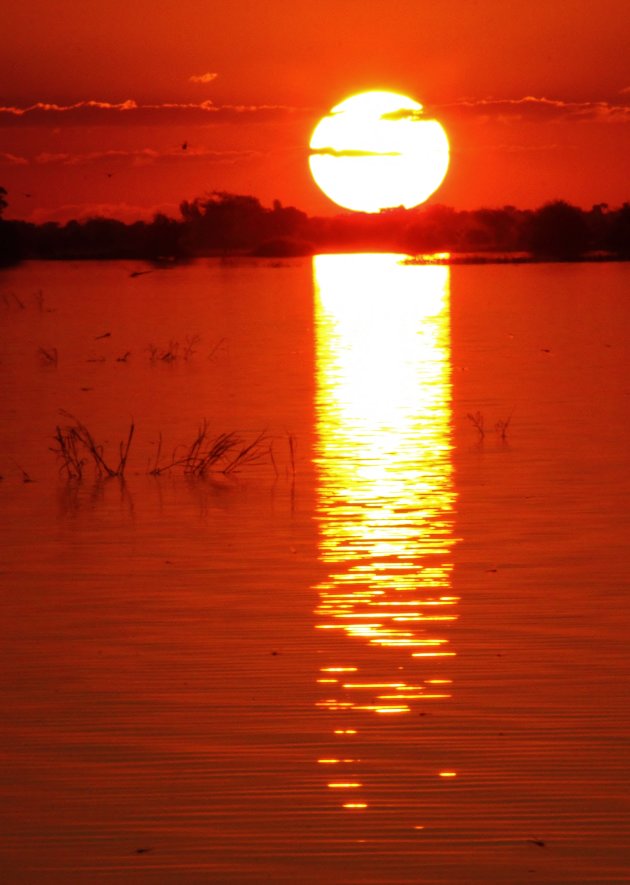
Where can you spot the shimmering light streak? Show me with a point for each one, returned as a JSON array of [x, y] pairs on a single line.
[[384, 453], [385, 483], [433, 654]]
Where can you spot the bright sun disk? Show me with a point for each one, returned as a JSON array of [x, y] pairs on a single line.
[[376, 150]]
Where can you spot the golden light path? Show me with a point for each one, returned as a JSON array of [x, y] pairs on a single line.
[[385, 487], [377, 150]]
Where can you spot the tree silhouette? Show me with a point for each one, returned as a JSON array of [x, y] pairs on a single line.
[[224, 223], [618, 240], [558, 230], [10, 240]]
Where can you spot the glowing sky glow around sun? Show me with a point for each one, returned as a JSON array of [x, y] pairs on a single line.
[[376, 150]]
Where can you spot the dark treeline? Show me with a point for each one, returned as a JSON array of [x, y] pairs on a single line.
[[223, 224]]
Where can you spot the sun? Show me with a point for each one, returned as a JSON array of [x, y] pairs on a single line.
[[377, 150]]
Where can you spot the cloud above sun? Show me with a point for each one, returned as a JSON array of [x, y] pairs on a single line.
[[208, 77], [12, 159], [130, 112], [538, 109], [142, 156]]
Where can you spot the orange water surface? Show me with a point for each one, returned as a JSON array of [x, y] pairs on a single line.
[[390, 649]]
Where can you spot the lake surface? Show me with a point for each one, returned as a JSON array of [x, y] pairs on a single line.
[[393, 648]]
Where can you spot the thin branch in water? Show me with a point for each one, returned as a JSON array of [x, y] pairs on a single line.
[[191, 340], [292, 451], [25, 476], [216, 347], [124, 451], [50, 355], [156, 464], [502, 426], [273, 459], [476, 419], [169, 355]]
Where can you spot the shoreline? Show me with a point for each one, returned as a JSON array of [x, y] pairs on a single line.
[[451, 259]]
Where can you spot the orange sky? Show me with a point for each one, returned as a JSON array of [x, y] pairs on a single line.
[[96, 99]]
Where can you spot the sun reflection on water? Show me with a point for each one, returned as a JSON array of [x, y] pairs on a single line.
[[385, 483]]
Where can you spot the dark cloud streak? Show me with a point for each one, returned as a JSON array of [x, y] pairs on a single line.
[[413, 115], [333, 152], [534, 110], [130, 113]]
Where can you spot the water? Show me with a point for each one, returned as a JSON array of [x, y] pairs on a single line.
[[392, 651]]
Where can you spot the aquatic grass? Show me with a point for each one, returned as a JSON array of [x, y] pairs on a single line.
[[49, 355], [206, 454], [501, 427], [69, 453], [225, 453], [11, 300], [174, 350], [257, 450], [76, 447], [165, 355]]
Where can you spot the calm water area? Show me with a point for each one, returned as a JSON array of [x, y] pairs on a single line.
[[392, 648]]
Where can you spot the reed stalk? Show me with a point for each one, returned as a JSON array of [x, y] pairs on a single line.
[[76, 446]]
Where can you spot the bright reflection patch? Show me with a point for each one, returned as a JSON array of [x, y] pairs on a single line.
[[385, 493]]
